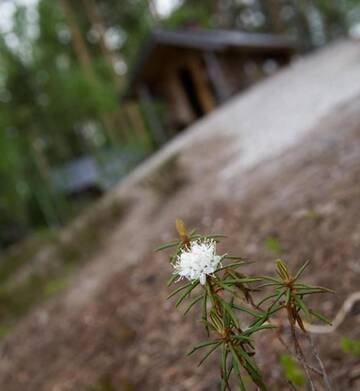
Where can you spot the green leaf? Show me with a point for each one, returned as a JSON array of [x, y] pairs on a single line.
[[234, 257], [171, 280], [203, 345], [255, 329], [273, 244], [287, 296], [234, 265], [237, 366], [271, 279], [192, 232], [301, 270], [247, 310], [216, 236], [226, 287], [251, 364], [209, 352], [204, 312], [197, 299], [267, 284], [282, 270], [242, 338], [266, 299], [312, 290], [292, 371], [224, 372], [228, 309], [173, 293], [243, 280], [167, 245], [303, 306], [351, 346], [187, 293], [320, 317], [277, 298]]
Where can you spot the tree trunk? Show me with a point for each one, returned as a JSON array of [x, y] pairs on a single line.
[[85, 60], [272, 12], [97, 23]]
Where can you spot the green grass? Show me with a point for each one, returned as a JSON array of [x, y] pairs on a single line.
[[292, 370], [24, 252], [350, 346], [273, 245]]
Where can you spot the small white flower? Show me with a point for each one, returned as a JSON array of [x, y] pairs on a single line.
[[197, 261]]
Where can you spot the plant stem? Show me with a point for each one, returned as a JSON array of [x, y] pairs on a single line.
[[300, 356], [320, 362]]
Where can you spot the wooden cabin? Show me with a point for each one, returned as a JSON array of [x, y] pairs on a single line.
[[191, 72]]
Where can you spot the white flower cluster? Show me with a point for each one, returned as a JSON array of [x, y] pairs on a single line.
[[197, 261]]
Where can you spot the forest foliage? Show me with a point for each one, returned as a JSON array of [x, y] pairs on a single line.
[[64, 66]]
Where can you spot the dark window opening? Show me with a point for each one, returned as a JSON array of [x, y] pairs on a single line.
[[190, 91]]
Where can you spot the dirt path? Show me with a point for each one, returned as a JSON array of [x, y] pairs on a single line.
[[113, 323]]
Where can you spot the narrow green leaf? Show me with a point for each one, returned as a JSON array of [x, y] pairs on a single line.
[[228, 309], [204, 312], [282, 269], [172, 280], [255, 329], [251, 363], [234, 257], [266, 278], [320, 316], [301, 270], [203, 345], [266, 299], [310, 291], [287, 296], [247, 310], [167, 245], [242, 338], [277, 298], [209, 352], [216, 236], [267, 284], [187, 293], [224, 371], [226, 287], [197, 299], [252, 369], [234, 265], [192, 232], [237, 366], [303, 306], [224, 353], [179, 289], [243, 280]]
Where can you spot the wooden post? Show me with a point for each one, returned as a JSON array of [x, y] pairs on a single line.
[[217, 77], [203, 91]]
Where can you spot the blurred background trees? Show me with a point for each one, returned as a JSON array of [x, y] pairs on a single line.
[[64, 66]]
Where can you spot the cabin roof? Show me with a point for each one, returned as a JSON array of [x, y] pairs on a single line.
[[204, 40], [219, 39]]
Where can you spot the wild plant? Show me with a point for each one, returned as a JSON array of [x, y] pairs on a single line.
[[218, 287]]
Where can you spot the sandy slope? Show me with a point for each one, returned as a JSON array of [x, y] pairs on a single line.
[[113, 320]]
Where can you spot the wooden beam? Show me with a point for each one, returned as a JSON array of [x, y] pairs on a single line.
[[202, 88]]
